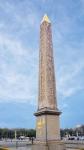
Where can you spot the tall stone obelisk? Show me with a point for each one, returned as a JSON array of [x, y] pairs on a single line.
[[47, 123]]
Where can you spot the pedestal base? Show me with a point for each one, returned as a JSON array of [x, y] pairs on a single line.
[[51, 145]]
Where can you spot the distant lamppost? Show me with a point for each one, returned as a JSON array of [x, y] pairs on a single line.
[[15, 135]]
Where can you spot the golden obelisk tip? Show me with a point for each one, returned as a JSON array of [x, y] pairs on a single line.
[[45, 18]]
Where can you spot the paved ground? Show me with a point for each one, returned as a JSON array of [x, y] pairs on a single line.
[[14, 143], [26, 144]]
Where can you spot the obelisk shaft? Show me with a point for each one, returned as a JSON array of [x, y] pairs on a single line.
[[47, 89]]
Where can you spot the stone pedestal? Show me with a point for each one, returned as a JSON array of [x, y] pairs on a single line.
[[47, 125], [51, 145]]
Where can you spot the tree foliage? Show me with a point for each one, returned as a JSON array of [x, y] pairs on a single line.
[[73, 131], [10, 133]]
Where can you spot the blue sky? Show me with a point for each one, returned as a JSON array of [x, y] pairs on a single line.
[[19, 59]]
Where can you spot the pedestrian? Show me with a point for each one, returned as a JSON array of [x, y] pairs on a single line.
[[32, 140]]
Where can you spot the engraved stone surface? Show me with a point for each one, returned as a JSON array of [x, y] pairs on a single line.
[[47, 89]]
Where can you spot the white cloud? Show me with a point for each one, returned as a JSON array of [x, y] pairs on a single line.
[[15, 85], [69, 78], [12, 45], [19, 18], [69, 53]]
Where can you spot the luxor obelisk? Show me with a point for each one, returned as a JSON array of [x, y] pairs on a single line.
[[47, 123]]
